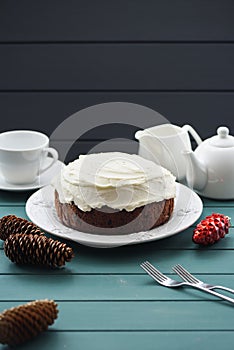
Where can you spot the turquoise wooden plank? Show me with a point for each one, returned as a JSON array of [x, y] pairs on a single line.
[[182, 240], [20, 211], [145, 316], [16, 210], [14, 198], [229, 211], [138, 316], [19, 198], [127, 260], [87, 307], [163, 340], [207, 202], [107, 287], [6, 266]]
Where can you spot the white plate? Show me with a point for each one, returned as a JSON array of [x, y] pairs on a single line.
[[42, 180], [40, 209]]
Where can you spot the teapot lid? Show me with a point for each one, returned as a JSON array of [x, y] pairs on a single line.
[[222, 139]]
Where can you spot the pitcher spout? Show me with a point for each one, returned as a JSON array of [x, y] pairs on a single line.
[[139, 134], [196, 172]]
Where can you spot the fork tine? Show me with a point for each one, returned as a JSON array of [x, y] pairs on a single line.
[[151, 272], [183, 274], [188, 275], [180, 272], [155, 271], [148, 271]]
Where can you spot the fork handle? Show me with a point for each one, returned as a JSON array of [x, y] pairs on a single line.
[[224, 288], [212, 292]]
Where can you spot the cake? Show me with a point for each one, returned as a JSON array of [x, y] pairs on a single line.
[[114, 193]]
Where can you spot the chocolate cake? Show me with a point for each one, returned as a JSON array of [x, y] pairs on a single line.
[[94, 221], [114, 193]]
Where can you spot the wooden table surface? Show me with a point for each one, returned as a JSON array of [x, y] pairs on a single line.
[[107, 302]]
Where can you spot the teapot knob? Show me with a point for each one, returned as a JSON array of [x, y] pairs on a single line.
[[223, 131]]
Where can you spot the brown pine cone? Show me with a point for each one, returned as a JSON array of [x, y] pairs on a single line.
[[11, 224], [22, 248], [21, 323]]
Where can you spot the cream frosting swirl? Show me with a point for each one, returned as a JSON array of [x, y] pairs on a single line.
[[114, 179]]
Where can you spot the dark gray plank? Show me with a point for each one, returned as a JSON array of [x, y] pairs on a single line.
[[117, 67], [121, 20], [45, 111], [69, 151]]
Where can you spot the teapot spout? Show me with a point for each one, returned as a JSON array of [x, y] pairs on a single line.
[[196, 172]]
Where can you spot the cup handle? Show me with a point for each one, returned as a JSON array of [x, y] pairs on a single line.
[[54, 154], [194, 134]]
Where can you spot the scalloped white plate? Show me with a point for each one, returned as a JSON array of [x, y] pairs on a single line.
[[40, 209]]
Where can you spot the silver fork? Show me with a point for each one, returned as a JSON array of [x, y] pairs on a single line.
[[169, 282], [187, 276]]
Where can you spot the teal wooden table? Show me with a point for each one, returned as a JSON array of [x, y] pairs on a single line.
[[106, 301]]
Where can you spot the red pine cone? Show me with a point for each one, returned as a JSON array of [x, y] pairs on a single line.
[[211, 229]]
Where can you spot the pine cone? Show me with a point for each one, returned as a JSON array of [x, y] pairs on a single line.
[[22, 248], [211, 229], [24, 322], [11, 224]]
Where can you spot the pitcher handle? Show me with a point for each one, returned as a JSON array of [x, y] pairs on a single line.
[[194, 134]]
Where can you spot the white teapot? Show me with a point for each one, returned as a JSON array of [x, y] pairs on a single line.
[[210, 168]]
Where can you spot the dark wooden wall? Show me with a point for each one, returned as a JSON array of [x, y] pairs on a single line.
[[59, 56]]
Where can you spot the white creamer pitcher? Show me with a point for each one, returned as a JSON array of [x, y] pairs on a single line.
[[164, 144]]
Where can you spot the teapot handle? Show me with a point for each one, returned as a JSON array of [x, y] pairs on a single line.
[[194, 134]]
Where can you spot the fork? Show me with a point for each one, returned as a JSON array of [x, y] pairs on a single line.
[[169, 282], [188, 277]]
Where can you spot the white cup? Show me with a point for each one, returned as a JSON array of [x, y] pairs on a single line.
[[22, 155], [164, 144]]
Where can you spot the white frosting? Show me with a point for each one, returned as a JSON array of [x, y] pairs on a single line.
[[114, 179]]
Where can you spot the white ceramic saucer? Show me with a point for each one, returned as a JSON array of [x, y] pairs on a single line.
[[42, 180]]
